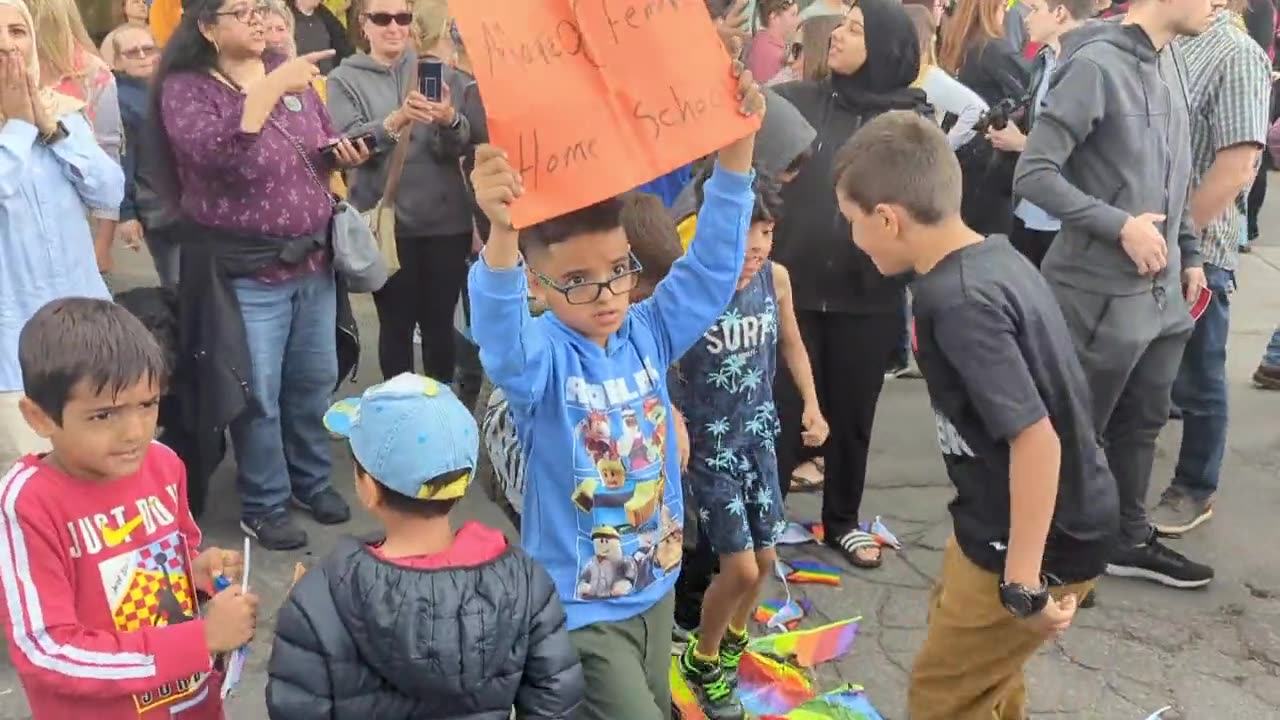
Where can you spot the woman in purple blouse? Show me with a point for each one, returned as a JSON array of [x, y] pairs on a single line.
[[244, 132]]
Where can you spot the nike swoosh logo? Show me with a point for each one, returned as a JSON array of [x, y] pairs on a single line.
[[114, 536]]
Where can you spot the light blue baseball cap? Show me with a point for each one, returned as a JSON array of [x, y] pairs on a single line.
[[412, 434]]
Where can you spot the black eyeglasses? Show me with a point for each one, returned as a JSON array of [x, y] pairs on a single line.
[[383, 19], [246, 13], [585, 293]]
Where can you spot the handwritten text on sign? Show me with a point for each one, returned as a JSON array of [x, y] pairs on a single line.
[[591, 98]]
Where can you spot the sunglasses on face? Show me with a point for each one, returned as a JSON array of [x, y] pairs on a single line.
[[383, 19], [140, 52]]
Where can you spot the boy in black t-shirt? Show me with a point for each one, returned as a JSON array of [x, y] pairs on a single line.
[[1035, 505]]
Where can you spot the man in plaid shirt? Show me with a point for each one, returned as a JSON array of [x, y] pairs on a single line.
[[1229, 87]]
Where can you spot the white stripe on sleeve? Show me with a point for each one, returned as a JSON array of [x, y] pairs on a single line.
[[29, 632]]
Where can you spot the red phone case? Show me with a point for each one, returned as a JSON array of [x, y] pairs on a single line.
[[1201, 303]]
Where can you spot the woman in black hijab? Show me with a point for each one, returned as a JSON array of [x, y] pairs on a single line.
[[850, 316]]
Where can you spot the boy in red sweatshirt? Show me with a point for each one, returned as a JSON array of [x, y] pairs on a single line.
[[98, 569]]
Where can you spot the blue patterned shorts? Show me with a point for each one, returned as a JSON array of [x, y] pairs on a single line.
[[738, 509]]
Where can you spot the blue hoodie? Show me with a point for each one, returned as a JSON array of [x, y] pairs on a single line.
[[603, 510]]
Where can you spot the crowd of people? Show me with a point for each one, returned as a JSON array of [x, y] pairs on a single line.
[[1037, 206]]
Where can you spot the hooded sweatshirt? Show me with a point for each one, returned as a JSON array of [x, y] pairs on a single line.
[[784, 136], [433, 198], [364, 638], [813, 239], [1112, 141], [603, 509]]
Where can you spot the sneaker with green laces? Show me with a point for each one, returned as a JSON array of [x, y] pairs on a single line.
[[707, 682], [732, 648]]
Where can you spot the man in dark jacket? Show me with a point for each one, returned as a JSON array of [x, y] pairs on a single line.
[[142, 216], [423, 623]]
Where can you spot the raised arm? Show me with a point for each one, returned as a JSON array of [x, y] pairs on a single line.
[[513, 349], [701, 284]]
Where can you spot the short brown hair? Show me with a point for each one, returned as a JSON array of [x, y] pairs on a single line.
[[1077, 9], [78, 339], [901, 158], [652, 234]]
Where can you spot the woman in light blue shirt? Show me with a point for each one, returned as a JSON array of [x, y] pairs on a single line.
[[51, 170]]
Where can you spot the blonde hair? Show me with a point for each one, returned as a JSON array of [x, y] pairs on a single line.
[[815, 39], [430, 24], [973, 21], [60, 33], [57, 103], [282, 11]]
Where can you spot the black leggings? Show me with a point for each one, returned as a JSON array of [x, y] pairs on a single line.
[[849, 354], [423, 293]]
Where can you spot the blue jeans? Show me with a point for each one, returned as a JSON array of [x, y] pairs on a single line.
[[281, 445], [1271, 358], [1201, 392]]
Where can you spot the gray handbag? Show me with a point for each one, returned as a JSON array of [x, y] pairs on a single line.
[[355, 249]]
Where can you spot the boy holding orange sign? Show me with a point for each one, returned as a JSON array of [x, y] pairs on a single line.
[[603, 507]]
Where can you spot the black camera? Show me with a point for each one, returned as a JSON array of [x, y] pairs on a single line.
[[997, 117]]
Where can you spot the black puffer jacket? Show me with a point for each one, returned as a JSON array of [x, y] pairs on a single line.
[[363, 639]]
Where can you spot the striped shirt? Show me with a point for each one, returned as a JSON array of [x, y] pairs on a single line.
[[1229, 82]]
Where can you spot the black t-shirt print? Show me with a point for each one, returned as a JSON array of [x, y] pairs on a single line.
[[997, 357]]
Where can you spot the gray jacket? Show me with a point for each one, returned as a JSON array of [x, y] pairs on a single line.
[[433, 198], [784, 136], [1113, 141]]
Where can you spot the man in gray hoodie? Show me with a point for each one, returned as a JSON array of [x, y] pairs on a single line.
[[1111, 157]]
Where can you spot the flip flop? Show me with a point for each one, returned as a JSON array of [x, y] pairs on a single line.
[[851, 542]]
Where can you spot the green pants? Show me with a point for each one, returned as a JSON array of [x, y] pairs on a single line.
[[627, 666]]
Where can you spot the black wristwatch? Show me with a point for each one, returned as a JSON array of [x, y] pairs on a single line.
[[1022, 601]]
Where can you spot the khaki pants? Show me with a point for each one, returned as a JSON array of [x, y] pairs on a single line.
[[627, 666], [16, 436], [970, 667]]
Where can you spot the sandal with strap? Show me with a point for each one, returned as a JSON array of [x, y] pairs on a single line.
[[851, 542], [807, 477]]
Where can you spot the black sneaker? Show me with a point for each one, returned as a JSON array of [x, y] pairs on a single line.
[[707, 682], [1153, 561], [732, 648], [276, 531], [326, 506], [679, 640]]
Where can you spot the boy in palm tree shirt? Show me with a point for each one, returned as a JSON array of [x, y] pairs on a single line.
[[733, 469]]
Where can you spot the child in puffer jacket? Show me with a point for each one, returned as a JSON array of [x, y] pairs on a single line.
[[422, 623]]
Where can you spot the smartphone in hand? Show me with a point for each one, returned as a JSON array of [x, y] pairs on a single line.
[[369, 140], [431, 78]]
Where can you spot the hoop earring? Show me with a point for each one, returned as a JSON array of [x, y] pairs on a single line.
[[216, 50]]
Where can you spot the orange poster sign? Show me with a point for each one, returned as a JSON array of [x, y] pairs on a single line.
[[591, 98]]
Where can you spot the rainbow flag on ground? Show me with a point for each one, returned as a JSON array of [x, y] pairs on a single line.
[[808, 648], [847, 703], [783, 612], [804, 572]]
